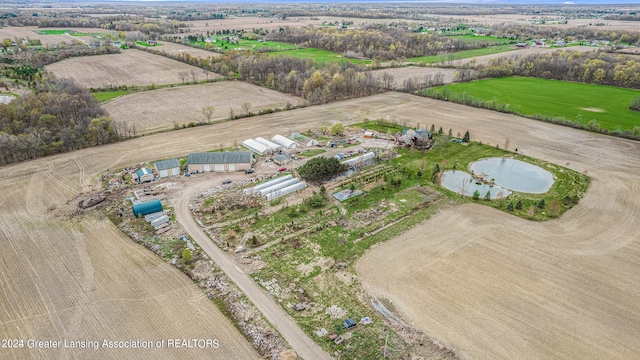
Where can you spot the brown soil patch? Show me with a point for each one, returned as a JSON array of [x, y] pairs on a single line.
[[484, 60], [173, 48], [417, 73], [128, 68], [30, 32], [161, 109]]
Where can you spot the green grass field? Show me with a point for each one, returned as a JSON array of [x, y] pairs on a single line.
[[465, 54], [60, 32], [108, 95], [320, 56], [244, 44], [146, 44], [486, 39], [581, 103]]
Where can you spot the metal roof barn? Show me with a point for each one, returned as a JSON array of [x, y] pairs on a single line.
[[146, 208], [255, 146], [269, 144], [286, 143], [167, 168], [219, 161], [267, 184]]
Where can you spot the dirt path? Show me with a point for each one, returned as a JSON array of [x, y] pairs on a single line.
[[301, 343]]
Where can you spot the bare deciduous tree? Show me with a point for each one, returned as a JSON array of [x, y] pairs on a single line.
[[463, 186], [207, 111], [183, 75]]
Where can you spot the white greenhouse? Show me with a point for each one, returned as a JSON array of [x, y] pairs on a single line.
[[278, 186], [286, 143], [269, 144], [267, 184], [307, 141], [256, 147], [285, 191], [366, 159]]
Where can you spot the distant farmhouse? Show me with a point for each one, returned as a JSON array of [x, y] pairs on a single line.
[[219, 161]]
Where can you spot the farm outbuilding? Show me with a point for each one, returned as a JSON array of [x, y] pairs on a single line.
[[286, 143], [305, 140], [144, 175], [267, 184], [219, 161], [256, 147], [146, 208], [166, 168], [269, 144]]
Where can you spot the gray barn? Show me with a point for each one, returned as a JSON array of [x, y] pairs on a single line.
[[166, 168], [219, 161]]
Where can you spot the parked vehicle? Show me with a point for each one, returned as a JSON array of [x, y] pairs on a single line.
[[249, 171], [225, 182]]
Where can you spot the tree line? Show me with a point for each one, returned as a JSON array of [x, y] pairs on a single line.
[[297, 76], [59, 116], [374, 41], [596, 67], [513, 31]]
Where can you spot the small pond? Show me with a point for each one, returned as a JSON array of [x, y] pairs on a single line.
[[515, 175], [452, 179]]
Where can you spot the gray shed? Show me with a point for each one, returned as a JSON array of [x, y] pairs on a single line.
[[166, 168]]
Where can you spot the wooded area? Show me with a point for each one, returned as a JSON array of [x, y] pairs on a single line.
[[60, 116]]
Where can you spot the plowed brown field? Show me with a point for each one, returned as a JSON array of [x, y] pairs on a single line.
[[81, 279], [131, 67], [161, 109]]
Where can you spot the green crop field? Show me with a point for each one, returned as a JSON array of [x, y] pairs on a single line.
[[244, 44], [108, 95], [320, 56], [487, 39], [581, 103], [464, 54], [60, 32]]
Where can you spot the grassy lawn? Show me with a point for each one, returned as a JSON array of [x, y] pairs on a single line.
[[320, 56], [312, 152], [108, 95], [381, 126], [465, 54], [580, 103], [146, 44], [244, 44]]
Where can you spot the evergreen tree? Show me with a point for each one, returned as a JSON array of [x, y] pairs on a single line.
[[510, 206], [466, 137], [476, 195], [433, 128], [519, 205], [440, 131], [541, 204], [487, 196]]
